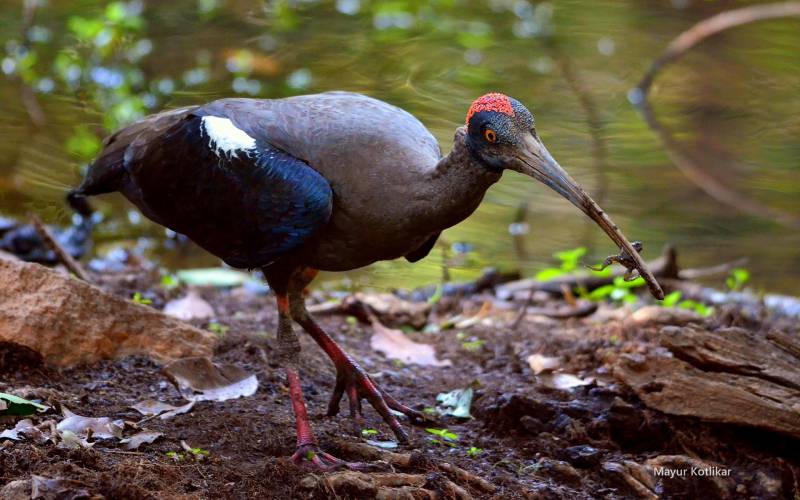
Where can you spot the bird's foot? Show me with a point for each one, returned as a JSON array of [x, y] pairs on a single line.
[[352, 380], [311, 456]]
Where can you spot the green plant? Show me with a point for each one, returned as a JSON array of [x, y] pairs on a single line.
[[473, 452], [618, 291], [369, 432], [443, 433], [218, 328], [698, 307], [170, 281], [568, 262], [138, 299], [199, 452], [474, 345], [671, 299], [737, 279]]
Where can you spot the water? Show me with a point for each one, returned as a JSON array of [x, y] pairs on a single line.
[[72, 71]]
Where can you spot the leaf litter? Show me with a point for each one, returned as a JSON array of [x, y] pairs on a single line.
[[200, 379]]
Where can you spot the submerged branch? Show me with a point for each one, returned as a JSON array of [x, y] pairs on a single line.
[[711, 26], [680, 45]]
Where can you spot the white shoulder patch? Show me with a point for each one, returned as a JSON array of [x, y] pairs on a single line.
[[225, 138]]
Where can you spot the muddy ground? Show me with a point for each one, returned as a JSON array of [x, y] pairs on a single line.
[[535, 441]]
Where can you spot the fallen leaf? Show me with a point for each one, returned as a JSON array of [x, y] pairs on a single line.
[[395, 311], [45, 488], [220, 277], [540, 363], [144, 437], [70, 441], [455, 403], [563, 381], [24, 429], [387, 445], [165, 411], [397, 345], [199, 379], [100, 427], [192, 306], [14, 405], [484, 311]]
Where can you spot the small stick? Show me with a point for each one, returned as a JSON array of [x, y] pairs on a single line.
[[62, 255]]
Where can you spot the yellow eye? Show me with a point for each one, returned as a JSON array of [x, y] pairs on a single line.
[[490, 135]]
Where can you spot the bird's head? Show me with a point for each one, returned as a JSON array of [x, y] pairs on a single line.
[[501, 135]]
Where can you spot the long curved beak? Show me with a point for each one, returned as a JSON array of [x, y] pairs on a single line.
[[534, 160]]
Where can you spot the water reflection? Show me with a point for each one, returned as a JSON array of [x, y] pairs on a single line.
[[73, 74]]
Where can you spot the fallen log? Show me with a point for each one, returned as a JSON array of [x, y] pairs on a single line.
[[730, 376]]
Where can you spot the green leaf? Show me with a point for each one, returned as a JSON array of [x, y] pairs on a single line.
[[14, 405], [549, 274], [138, 299], [473, 451], [368, 432], [84, 29], [570, 255], [474, 345], [620, 282], [601, 292], [170, 281], [671, 299], [443, 433], [737, 278], [218, 328], [83, 143]]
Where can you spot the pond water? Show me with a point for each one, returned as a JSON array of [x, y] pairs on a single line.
[[74, 70]]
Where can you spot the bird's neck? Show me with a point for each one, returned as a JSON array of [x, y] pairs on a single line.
[[458, 183]]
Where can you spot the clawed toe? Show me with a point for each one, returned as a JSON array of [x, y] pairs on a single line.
[[356, 384]]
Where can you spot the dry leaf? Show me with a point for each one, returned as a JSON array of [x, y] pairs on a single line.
[[100, 427], [144, 437], [540, 363], [397, 345], [199, 379], [165, 411], [563, 381], [44, 488], [24, 429], [192, 306]]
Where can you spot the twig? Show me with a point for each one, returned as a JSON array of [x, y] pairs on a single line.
[[711, 26], [62, 255]]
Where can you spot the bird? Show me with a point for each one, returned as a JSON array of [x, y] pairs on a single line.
[[326, 182]]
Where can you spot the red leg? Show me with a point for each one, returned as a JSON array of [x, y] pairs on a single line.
[[308, 451], [351, 379]]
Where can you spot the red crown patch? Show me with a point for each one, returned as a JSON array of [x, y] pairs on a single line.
[[491, 102]]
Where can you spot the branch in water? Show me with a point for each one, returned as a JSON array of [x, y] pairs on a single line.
[[709, 27], [688, 167]]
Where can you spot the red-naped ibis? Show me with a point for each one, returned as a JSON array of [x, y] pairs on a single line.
[[332, 182]]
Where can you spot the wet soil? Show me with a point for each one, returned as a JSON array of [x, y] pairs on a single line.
[[536, 441]]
